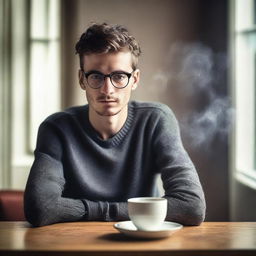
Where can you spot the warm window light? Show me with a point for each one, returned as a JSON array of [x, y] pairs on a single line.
[[44, 63], [245, 94]]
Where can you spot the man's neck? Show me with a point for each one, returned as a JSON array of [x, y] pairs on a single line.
[[108, 126]]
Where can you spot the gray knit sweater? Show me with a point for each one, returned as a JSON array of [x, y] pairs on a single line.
[[77, 176]]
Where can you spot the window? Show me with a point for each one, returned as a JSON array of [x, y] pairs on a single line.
[[244, 82], [44, 89], [30, 74]]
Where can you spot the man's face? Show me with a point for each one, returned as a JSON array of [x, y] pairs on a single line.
[[108, 100]]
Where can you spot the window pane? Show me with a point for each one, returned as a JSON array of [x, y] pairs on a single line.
[[44, 63], [39, 18], [54, 21], [245, 91], [244, 14]]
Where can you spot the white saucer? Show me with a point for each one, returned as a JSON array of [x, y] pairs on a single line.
[[166, 229]]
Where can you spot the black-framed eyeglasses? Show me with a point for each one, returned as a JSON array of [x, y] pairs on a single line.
[[119, 79]]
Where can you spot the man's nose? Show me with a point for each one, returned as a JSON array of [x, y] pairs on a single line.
[[107, 87]]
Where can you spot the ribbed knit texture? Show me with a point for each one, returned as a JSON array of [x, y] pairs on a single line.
[[77, 176]]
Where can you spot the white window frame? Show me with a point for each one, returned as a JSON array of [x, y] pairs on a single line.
[[243, 83]]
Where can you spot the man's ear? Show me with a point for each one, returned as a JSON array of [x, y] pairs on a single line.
[[136, 79], [81, 79]]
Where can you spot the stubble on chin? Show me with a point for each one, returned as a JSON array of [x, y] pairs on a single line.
[[108, 112]]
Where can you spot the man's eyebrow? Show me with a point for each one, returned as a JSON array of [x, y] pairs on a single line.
[[93, 71], [120, 71], [99, 72]]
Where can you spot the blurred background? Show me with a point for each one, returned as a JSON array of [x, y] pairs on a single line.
[[198, 57]]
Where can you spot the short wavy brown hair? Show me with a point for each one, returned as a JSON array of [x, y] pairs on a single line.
[[105, 38]]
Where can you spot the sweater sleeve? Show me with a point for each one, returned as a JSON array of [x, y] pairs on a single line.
[[43, 201], [186, 201], [106, 211]]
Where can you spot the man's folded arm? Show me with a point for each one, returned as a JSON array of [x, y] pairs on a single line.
[[44, 203], [186, 202]]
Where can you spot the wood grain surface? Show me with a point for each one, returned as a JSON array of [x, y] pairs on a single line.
[[101, 238]]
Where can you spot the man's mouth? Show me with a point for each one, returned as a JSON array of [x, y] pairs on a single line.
[[107, 100]]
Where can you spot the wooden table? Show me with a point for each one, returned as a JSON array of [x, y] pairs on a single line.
[[100, 238]]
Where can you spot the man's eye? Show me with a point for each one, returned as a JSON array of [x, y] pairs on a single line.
[[118, 77], [95, 76]]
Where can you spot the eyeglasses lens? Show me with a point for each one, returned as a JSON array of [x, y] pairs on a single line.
[[118, 80]]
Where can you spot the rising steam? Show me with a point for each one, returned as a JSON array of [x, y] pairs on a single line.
[[194, 69]]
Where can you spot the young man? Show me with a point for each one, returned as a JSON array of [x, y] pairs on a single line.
[[90, 159]]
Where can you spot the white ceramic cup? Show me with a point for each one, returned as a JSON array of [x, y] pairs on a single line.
[[147, 213]]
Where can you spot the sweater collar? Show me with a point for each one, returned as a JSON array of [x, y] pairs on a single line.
[[116, 139]]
